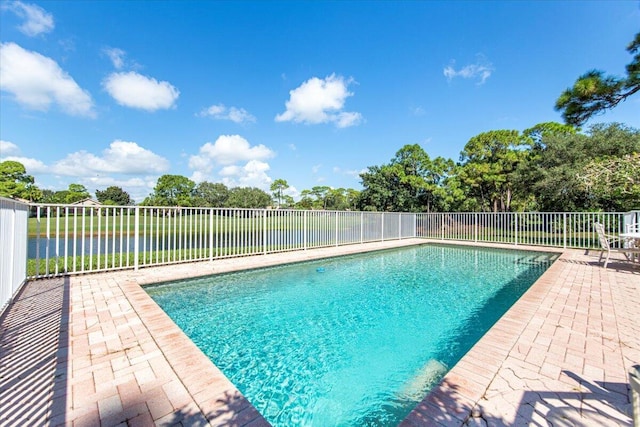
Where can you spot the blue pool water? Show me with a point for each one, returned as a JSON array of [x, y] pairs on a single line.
[[349, 341]]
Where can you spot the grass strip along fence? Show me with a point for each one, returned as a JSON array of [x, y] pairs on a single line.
[[66, 239]]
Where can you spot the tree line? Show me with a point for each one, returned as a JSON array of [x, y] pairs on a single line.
[[549, 167]]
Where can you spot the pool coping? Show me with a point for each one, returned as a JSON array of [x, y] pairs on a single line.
[[126, 360]]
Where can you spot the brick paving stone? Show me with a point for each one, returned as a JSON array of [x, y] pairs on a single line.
[[158, 403], [144, 375], [91, 418], [258, 422], [110, 410], [177, 393], [142, 420]]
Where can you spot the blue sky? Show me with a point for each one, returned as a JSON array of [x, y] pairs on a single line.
[[119, 93]]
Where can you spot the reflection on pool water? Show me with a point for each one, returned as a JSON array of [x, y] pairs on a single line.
[[356, 340]]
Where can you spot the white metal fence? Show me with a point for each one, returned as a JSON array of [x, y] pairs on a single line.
[[555, 229], [67, 239], [13, 248], [70, 239]]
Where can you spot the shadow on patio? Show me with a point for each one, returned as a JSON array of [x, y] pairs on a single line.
[[587, 404], [34, 344], [35, 372]]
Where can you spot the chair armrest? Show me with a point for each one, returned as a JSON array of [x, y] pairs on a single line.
[[613, 238]]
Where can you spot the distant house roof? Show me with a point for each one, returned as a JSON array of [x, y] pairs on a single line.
[[87, 202]]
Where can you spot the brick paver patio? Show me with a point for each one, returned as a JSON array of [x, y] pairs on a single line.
[[96, 350]]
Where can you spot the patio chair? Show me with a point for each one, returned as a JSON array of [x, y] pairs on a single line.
[[633, 228], [606, 241]]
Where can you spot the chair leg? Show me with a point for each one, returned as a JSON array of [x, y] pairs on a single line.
[[606, 261]]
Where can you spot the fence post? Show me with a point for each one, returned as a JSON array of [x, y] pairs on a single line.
[[564, 230], [516, 226], [415, 225], [136, 237], [56, 251], [336, 214], [361, 227], [211, 210], [442, 227], [47, 251], [304, 230], [382, 226], [400, 226], [264, 231], [475, 227], [8, 288]]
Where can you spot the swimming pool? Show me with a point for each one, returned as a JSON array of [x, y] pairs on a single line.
[[355, 340]]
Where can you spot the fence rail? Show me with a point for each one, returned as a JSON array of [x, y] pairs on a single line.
[[71, 239]]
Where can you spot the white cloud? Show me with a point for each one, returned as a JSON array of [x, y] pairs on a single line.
[[220, 112], [355, 173], [138, 187], [320, 101], [418, 111], [10, 151], [293, 192], [32, 166], [345, 120], [348, 172], [227, 150], [252, 174], [8, 148], [292, 147], [231, 170], [198, 177], [242, 165], [316, 168], [137, 91], [123, 164], [107, 181], [36, 19], [121, 158], [116, 56], [480, 71], [37, 81]]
